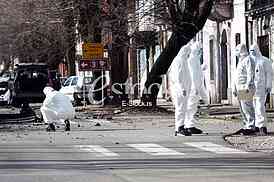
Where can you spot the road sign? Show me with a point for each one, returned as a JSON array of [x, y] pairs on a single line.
[[93, 64], [93, 50]]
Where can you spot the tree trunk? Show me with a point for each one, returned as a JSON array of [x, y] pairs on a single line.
[[119, 73]]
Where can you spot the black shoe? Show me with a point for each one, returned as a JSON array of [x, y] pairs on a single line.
[[262, 131], [67, 125], [50, 128], [257, 129], [245, 132], [183, 131], [249, 132], [194, 130]]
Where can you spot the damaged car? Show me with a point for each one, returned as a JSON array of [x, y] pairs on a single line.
[[28, 84]]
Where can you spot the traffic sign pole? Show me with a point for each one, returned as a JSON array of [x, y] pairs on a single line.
[[102, 87], [93, 59], [84, 90]]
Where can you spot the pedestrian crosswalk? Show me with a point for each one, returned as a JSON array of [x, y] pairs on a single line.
[[118, 151], [218, 149], [99, 151], [154, 149]]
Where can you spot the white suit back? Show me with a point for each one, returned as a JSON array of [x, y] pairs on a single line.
[[59, 103], [179, 75]]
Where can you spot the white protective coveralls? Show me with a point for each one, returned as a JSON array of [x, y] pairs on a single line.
[[263, 84], [179, 78], [245, 80], [56, 107], [197, 85]]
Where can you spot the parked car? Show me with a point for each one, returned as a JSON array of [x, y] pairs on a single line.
[[75, 88], [4, 88], [28, 84]]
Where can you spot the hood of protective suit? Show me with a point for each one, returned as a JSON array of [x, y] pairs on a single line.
[[179, 76], [255, 51], [180, 60], [196, 49], [184, 52], [241, 50], [47, 90]]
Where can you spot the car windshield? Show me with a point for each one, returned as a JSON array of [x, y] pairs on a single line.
[[74, 81], [67, 82]]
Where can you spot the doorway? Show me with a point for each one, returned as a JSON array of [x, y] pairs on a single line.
[[263, 43], [224, 69]]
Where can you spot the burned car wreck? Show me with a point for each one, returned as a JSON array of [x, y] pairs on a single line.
[[28, 84]]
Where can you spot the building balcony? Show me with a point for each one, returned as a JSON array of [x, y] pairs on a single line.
[[259, 7]]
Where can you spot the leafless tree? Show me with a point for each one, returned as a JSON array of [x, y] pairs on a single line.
[[186, 18], [33, 31], [123, 19]]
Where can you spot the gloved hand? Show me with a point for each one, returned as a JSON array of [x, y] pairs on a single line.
[[184, 92], [234, 93], [251, 87], [268, 90], [196, 92]]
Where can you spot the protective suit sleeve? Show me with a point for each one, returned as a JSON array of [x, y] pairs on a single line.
[[177, 66], [250, 68], [48, 100], [173, 73], [269, 73], [234, 90]]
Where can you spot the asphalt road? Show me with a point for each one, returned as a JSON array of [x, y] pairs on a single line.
[[139, 148], [126, 154]]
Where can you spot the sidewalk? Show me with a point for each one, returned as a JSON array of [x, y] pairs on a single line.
[[219, 120]]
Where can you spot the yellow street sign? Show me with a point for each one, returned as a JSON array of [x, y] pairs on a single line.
[[93, 50]]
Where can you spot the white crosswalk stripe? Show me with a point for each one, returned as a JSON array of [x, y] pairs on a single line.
[[211, 147], [158, 150], [155, 149], [187, 149], [97, 150]]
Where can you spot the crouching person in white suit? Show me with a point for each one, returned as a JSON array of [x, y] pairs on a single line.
[[56, 108]]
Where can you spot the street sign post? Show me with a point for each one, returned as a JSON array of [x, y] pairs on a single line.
[[93, 51], [93, 59], [94, 65]]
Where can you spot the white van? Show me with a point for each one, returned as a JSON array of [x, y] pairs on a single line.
[[74, 88]]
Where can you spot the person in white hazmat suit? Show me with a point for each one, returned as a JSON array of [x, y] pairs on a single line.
[[244, 81], [263, 85], [179, 78], [56, 108], [197, 91]]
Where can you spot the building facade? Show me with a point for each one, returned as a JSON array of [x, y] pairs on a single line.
[[252, 22]]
